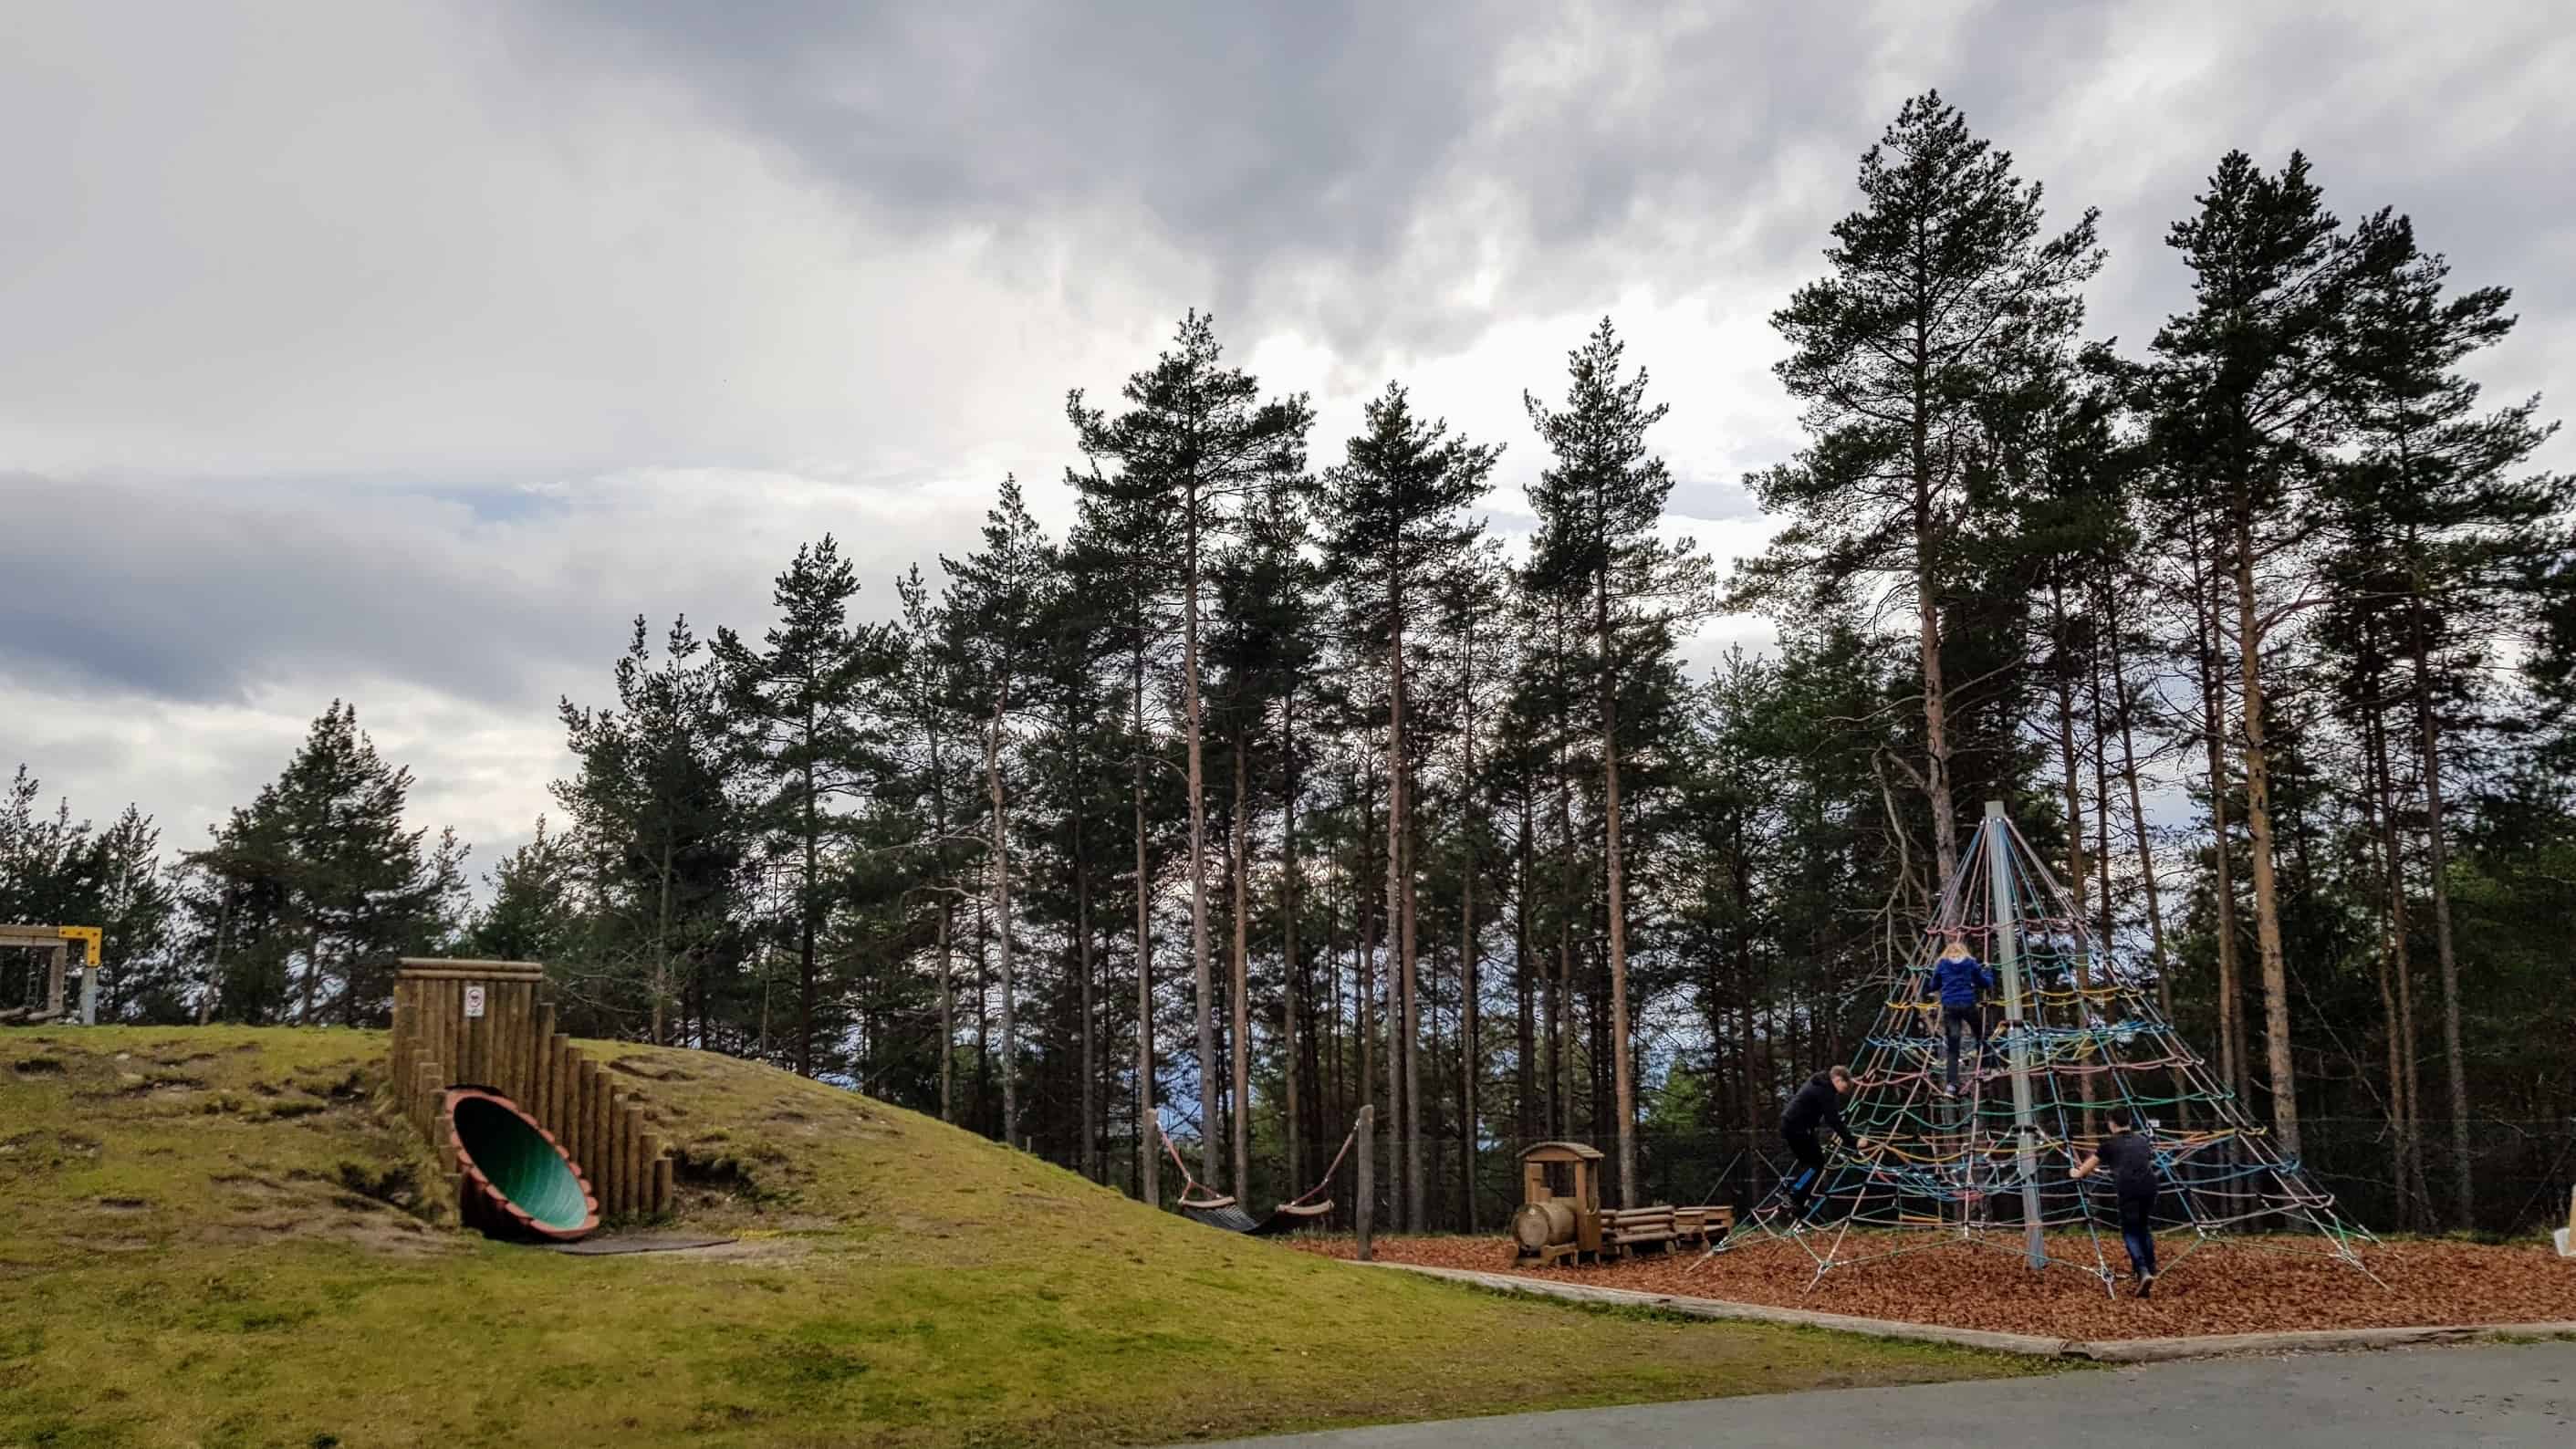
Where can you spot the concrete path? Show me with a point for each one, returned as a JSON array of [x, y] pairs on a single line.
[[2489, 1394]]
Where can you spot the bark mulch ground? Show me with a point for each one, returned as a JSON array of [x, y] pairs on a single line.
[[2221, 1288]]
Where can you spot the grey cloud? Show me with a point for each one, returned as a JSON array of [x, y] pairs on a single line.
[[204, 594], [1340, 167], [1345, 168], [201, 593]]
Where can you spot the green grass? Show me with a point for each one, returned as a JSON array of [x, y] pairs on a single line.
[[217, 1237]]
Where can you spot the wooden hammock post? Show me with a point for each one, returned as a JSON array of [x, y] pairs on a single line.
[[1366, 1197], [2008, 966]]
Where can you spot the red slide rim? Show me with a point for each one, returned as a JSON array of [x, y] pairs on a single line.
[[500, 1200]]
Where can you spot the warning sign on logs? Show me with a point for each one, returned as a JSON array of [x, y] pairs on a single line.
[[473, 1001]]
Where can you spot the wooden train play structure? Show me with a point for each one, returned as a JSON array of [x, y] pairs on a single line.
[[538, 1139], [1561, 1216]]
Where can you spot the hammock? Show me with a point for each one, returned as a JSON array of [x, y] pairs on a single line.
[[1222, 1213]]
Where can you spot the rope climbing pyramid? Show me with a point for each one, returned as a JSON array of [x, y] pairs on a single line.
[[1988, 1164]]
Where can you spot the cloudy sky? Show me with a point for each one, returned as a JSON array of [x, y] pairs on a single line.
[[402, 351]]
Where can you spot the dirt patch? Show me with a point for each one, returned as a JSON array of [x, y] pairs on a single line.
[[651, 1069], [744, 1250], [397, 1187], [125, 1244], [376, 1232], [137, 1084], [41, 1151], [2225, 1287]]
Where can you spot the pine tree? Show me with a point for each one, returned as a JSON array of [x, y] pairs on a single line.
[[1599, 554], [1399, 534], [536, 911], [136, 914], [331, 877], [926, 708], [997, 607], [2441, 539], [1938, 284], [2245, 414], [805, 715], [1120, 555], [655, 804], [1197, 435]]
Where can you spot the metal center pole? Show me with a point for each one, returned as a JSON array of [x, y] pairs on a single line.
[[2008, 967]]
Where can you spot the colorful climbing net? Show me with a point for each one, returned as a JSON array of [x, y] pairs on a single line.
[[1988, 1166]]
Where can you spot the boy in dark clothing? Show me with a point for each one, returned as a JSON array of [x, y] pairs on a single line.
[[2132, 1161], [1817, 1104], [1959, 977]]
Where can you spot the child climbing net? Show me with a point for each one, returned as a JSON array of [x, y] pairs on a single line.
[[1992, 1165]]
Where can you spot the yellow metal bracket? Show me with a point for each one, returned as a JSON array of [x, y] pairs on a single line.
[[88, 936]]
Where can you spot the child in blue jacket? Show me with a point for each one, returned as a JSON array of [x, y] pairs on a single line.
[[1959, 976]]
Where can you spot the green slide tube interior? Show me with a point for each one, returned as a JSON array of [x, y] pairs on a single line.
[[523, 1166]]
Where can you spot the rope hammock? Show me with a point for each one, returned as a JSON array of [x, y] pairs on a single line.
[[1219, 1210]]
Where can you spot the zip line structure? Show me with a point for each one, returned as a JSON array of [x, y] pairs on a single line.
[[1988, 1168]]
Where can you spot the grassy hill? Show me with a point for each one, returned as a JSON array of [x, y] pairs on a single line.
[[213, 1236]]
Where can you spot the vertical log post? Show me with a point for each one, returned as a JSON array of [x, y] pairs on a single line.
[[1364, 1207]]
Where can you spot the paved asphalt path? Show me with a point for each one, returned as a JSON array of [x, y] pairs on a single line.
[[2485, 1394]]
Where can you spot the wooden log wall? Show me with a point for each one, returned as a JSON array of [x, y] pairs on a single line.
[[514, 1049]]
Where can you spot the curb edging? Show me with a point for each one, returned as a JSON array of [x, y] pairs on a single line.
[[2109, 1351]]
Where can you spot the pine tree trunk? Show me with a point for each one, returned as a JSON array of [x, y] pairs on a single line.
[[2105, 917], [984, 1007], [2257, 753], [1467, 1026], [947, 1009], [1523, 1077], [1149, 1160], [1241, 986], [1199, 964], [2437, 863], [947, 921], [2075, 861], [313, 970], [2232, 1049], [661, 983], [1623, 1070], [1467, 1039], [805, 913], [1002, 918], [2138, 812], [1092, 1167], [1364, 934], [2379, 816], [1927, 611], [1400, 1079], [1293, 969], [1417, 1207], [1563, 1085]]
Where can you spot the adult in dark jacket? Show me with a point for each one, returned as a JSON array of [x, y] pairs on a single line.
[[1818, 1104], [1959, 977], [2132, 1160]]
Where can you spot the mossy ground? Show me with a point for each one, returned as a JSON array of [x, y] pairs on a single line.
[[217, 1236]]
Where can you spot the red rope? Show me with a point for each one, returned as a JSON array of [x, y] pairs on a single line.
[[1189, 1184], [1327, 1179]]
